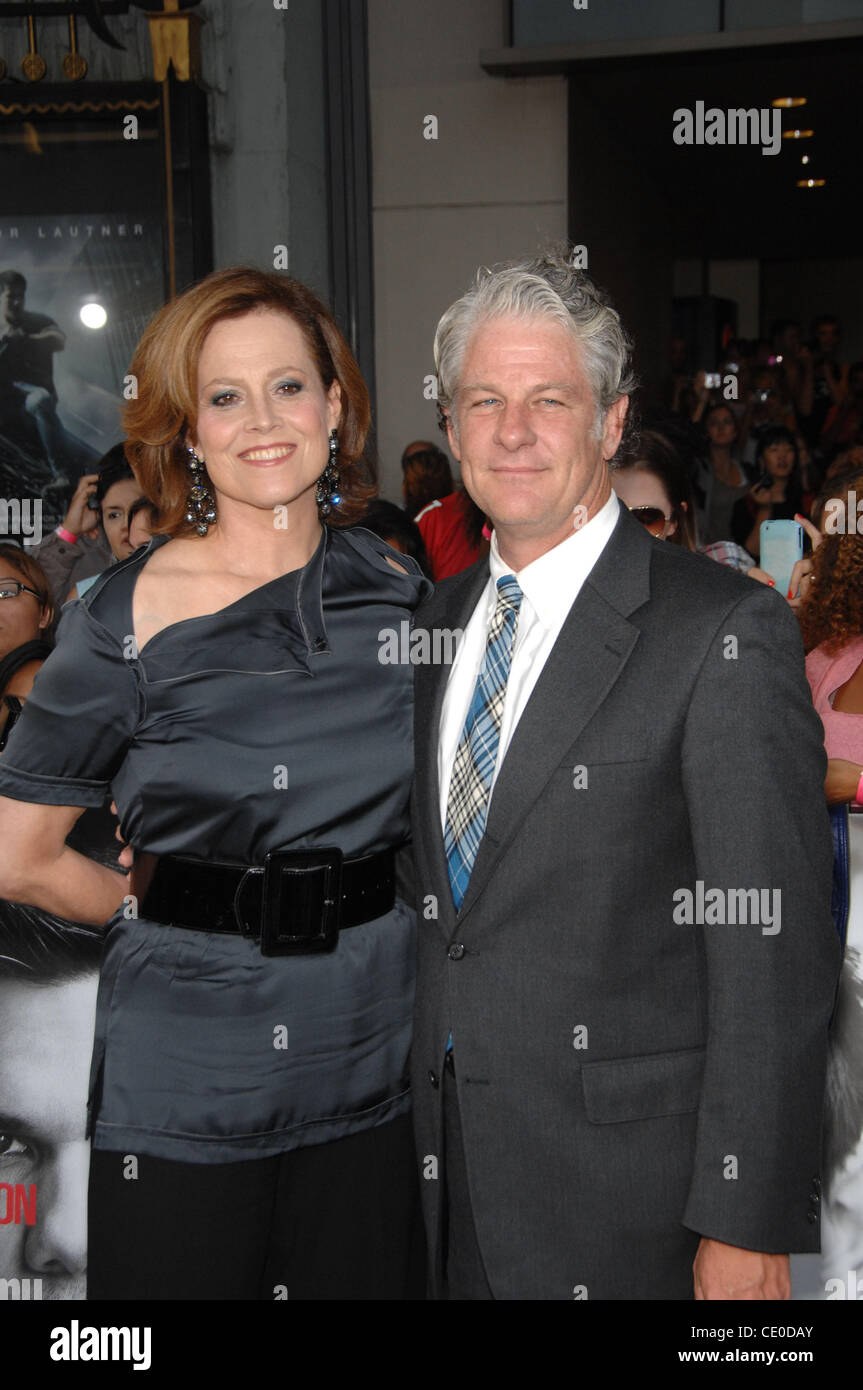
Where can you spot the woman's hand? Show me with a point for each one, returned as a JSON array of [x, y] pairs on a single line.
[[126, 856], [840, 784], [801, 575], [762, 496], [80, 519], [755, 572]]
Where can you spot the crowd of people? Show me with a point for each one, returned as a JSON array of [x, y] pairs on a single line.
[[255, 1013]]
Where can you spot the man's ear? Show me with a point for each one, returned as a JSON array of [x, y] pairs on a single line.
[[612, 427]]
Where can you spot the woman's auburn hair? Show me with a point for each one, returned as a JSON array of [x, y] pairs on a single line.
[[165, 367], [831, 615]]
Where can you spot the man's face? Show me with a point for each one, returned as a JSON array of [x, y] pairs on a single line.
[[789, 344], [525, 437], [827, 338], [11, 303], [46, 1037]]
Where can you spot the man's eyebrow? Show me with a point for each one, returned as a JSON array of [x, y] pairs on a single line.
[[542, 386], [16, 1124]]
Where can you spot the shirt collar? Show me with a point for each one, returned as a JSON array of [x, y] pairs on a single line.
[[552, 582]]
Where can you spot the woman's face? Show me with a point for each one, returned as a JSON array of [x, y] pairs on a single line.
[[638, 489], [778, 459], [264, 417], [140, 529], [22, 619], [115, 516], [721, 428]]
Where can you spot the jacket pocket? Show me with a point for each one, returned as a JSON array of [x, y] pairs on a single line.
[[640, 1088], [597, 751]]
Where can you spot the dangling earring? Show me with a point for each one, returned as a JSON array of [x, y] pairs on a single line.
[[327, 494], [200, 505]]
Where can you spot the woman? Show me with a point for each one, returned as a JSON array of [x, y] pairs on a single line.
[[831, 620], [141, 521], [779, 499], [454, 533], [79, 548], [115, 493], [224, 685], [721, 477], [26, 613], [426, 474], [652, 483]]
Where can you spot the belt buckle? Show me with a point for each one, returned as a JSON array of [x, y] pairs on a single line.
[[317, 884]]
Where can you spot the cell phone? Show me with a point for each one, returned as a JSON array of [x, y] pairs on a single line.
[[711, 380], [766, 480], [93, 505], [781, 548], [762, 395]]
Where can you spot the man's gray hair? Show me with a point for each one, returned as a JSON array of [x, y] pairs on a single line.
[[546, 286]]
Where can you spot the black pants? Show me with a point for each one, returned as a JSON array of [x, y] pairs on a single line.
[[332, 1221]]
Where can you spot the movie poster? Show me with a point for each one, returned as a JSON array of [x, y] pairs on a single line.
[[76, 291], [49, 974]]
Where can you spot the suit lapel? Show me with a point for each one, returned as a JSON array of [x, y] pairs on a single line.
[[591, 651]]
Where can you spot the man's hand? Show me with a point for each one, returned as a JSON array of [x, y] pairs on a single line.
[[726, 1272], [842, 780]]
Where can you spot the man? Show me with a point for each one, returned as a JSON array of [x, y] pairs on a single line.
[[48, 980], [627, 962], [28, 342]]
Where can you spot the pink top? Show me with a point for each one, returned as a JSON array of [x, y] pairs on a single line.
[[843, 733]]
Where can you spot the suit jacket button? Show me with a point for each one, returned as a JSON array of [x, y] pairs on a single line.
[[433, 1079], [816, 1183], [814, 1198], [456, 952], [811, 1216]]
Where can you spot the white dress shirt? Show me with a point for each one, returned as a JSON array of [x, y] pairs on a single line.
[[550, 586]]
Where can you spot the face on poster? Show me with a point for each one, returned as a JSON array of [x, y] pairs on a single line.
[[75, 294], [46, 1036]]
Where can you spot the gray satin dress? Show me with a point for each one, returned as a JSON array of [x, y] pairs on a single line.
[[269, 724]]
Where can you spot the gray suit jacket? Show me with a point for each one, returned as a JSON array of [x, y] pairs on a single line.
[[629, 1082]]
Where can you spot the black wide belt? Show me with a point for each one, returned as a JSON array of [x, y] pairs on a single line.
[[297, 902]]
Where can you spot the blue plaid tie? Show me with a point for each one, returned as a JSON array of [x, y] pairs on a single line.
[[473, 769]]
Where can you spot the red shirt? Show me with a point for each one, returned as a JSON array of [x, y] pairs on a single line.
[[443, 528]]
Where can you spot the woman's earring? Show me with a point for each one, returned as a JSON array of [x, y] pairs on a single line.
[[201, 505], [327, 495]]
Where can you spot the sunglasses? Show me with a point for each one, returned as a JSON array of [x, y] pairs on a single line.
[[653, 518], [13, 588]]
